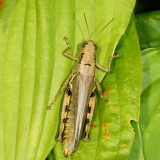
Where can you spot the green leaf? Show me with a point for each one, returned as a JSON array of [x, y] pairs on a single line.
[[150, 108], [32, 69], [148, 25], [137, 147], [148, 30]]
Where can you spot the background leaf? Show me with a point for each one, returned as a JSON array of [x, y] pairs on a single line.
[[146, 6], [32, 69], [146, 138], [137, 147], [150, 114], [148, 25]]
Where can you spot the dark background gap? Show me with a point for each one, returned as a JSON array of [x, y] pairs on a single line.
[[146, 6]]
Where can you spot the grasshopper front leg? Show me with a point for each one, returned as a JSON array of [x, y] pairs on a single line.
[[109, 63], [65, 83], [68, 48]]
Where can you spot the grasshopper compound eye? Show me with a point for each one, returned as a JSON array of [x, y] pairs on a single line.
[[84, 44]]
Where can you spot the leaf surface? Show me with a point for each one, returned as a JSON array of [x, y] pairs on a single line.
[[150, 115], [32, 69], [148, 25], [146, 140]]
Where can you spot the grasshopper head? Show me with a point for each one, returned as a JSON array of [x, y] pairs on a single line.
[[88, 52], [89, 46]]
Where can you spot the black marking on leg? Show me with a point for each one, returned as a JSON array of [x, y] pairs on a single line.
[[67, 108], [64, 138], [64, 120], [87, 120], [69, 92], [82, 55], [88, 64], [89, 109], [93, 94]]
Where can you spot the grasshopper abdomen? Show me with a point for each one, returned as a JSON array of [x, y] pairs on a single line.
[[76, 117]]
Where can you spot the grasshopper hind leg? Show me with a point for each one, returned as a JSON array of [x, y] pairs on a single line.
[[64, 112], [89, 116]]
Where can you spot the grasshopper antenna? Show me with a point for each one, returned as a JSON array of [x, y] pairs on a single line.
[[103, 28], [86, 25]]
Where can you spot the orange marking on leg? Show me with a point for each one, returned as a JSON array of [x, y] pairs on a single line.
[[93, 126], [123, 147], [105, 92]]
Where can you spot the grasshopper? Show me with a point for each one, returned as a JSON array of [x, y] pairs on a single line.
[[79, 97]]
